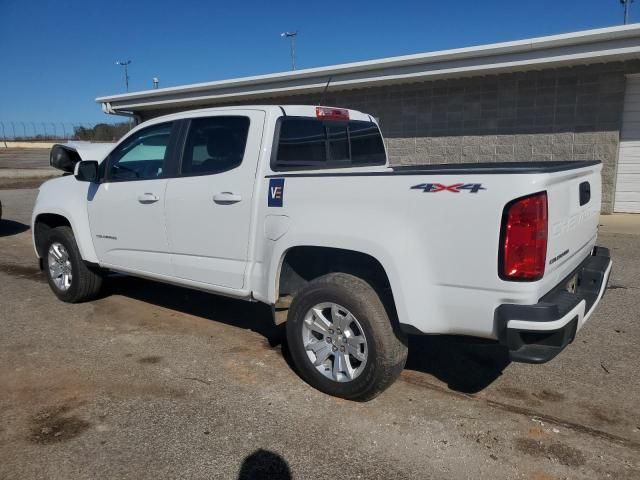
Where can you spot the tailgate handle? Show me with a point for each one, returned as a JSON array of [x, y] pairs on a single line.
[[585, 193]]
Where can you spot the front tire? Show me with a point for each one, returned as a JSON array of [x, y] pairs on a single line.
[[341, 338], [69, 277]]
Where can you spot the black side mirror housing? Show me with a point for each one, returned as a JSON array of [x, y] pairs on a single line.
[[63, 157], [86, 171]]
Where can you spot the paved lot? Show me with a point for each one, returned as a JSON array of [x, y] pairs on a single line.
[[24, 157], [154, 381], [24, 167]]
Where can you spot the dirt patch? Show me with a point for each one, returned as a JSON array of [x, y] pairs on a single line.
[[549, 396], [537, 432], [514, 393], [240, 349], [420, 380], [123, 313], [488, 439], [150, 391], [23, 271], [150, 360], [20, 347], [601, 415], [556, 451], [242, 371], [53, 425], [542, 476]]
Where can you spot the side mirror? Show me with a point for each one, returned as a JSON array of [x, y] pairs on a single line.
[[86, 171], [64, 157]]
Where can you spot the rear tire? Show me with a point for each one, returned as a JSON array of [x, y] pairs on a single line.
[[69, 277], [339, 313]]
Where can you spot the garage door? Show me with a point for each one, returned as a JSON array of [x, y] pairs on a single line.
[[628, 180]]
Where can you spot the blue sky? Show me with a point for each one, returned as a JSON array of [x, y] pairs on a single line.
[[57, 56]]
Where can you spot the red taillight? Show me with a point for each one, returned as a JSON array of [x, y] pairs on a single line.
[[524, 238], [331, 113]]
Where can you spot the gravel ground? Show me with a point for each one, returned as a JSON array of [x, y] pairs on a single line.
[[154, 381]]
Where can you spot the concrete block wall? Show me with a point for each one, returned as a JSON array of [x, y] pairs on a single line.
[[562, 114], [571, 113]]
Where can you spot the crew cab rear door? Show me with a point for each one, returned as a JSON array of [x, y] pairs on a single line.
[[209, 204]]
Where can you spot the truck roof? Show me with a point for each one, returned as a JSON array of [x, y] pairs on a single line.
[[283, 110]]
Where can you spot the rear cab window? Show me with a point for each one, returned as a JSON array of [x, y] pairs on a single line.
[[305, 143]]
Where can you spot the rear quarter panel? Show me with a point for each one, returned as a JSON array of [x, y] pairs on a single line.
[[439, 249]]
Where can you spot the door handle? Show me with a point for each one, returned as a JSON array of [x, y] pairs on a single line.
[[226, 198], [146, 198]]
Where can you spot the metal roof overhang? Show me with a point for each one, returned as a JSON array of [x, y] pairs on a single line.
[[579, 48]]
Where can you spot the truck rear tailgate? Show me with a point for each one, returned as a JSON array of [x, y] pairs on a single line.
[[574, 200], [453, 220]]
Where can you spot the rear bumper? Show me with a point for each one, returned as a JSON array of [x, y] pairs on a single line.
[[537, 333]]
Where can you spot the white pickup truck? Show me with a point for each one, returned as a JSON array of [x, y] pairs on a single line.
[[297, 207]]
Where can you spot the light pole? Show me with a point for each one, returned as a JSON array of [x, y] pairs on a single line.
[[292, 44], [125, 64], [625, 4]]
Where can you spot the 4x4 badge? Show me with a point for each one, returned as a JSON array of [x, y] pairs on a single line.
[[455, 188]]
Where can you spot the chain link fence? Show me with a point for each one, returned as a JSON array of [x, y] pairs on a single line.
[[12, 131]]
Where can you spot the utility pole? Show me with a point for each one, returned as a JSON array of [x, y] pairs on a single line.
[[125, 64], [292, 44], [625, 4]]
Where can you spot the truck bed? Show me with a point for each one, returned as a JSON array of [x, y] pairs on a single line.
[[439, 246], [486, 168], [495, 168]]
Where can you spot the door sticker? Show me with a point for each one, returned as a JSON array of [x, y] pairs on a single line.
[[276, 192]]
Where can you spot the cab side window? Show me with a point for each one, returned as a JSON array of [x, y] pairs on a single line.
[[142, 156], [214, 145]]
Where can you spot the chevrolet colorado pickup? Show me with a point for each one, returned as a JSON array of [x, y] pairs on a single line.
[[297, 207]]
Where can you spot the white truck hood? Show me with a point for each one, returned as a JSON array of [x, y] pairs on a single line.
[[65, 156], [89, 150]]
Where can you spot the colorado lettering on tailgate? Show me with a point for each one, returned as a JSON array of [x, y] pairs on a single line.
[[455, 188]]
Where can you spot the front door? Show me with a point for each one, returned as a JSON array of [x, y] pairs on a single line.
[[209, 204], [126, 210]]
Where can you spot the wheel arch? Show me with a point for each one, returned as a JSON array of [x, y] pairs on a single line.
[[300, 264], [43, 222]]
